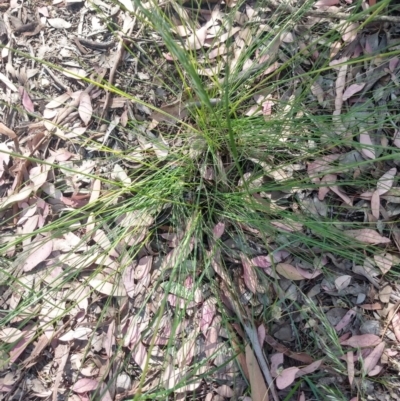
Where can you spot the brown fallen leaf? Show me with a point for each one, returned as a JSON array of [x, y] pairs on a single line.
[[373, 358], [259, 391], [286, 377], [363, 340], [39, 254], [367, 236]]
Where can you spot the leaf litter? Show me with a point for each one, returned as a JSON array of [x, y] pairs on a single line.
[[95, 316]]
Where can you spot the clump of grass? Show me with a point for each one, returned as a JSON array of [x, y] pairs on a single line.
[[220, 165]]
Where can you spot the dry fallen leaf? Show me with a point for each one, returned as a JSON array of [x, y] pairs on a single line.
[[288, 271], [286, 377], [249, 274], [38, 254], [362, 341], [367, 236], [259, 391], [85, 385], [373, 358], [85, 108]]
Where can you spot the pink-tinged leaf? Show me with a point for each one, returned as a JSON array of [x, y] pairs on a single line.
[[338, 192], [208, 312], [396, 326], [26, 101], [307, 274], [85, 108], [342, 282], [286, 377], [368, 150], [266, 261], [27, 334], [375, 204], [321, 165], [225, 391], [326, 3], [140, 355], [39, 254], [375, 371], [350, 32], [249, 274], [346, 319], [261, 334], [367, 236], [311, 368], [104, 392], [362, 341], [385, 183], [10, 335], [393, 62], [218, 230], [276, 363], [322, 192], [143, 267], [302, 396], [185, 354], [384, 261], [373, 358], [352, 90], [129, 282], [259, 390], [85, 385], [288, 271], [350, 366]]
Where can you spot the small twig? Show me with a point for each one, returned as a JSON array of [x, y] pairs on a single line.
[[251, 333], [92, 44], [332, 15], [119, 54], [55, 79]]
